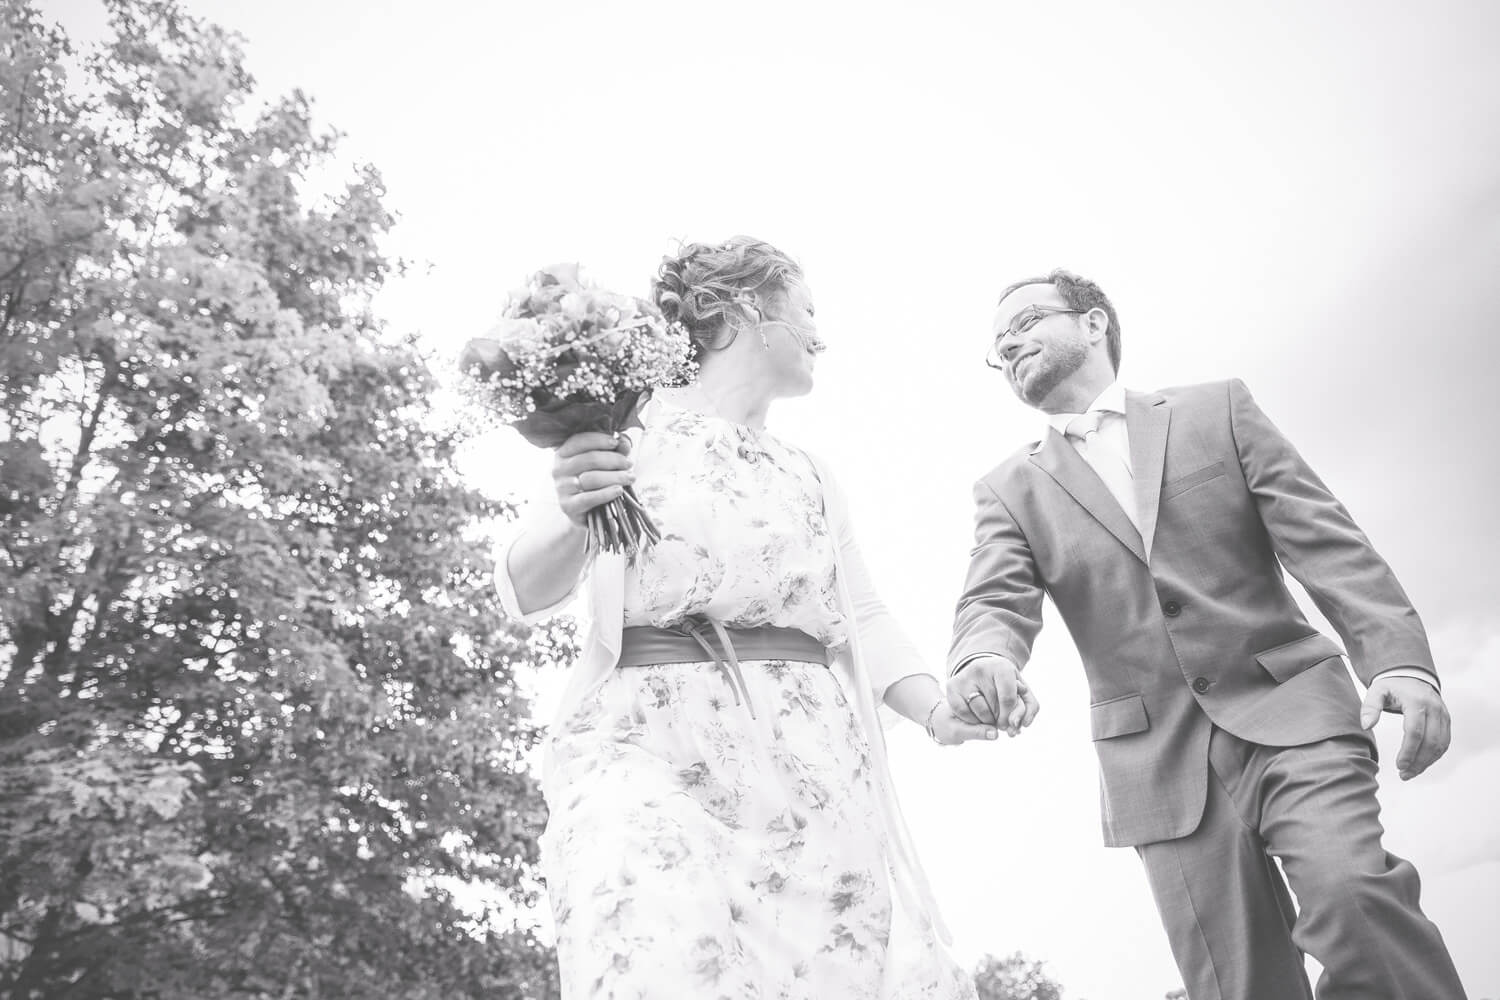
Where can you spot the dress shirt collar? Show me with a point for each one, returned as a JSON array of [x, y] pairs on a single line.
[[1111, 400]]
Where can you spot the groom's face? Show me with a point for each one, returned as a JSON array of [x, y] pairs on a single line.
[[1039, 345]]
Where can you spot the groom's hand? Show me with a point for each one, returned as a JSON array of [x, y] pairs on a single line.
[[989, 691], [1424, 720]]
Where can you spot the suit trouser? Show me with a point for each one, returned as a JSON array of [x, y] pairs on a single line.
[[1230, 920]]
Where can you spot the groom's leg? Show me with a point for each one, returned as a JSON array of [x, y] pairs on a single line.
[[1224, 905], [1359, 916]]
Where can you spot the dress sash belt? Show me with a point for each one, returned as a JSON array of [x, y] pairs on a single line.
[[643, 645]]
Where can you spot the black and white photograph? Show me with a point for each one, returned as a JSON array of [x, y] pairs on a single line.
[[791, 501]]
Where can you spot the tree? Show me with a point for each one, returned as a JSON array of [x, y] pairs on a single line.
[[1014, 978], [258, 711]]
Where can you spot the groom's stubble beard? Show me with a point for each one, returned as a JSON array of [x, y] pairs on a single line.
[[1050, 369]]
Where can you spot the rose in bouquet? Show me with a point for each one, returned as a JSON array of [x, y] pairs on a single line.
[[569, 357]]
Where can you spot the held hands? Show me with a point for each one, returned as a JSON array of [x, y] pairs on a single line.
[[947, 729], [590, 470], [989, 691], [1424, 720]]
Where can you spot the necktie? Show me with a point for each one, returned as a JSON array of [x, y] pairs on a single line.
[[1112, 467]]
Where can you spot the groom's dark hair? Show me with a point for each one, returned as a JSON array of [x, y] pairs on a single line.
[[1082, 294]]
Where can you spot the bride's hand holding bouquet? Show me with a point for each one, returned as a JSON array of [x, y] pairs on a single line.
[[566, 367]]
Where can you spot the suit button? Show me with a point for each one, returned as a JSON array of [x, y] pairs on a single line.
[[1172, 608], [1201, 684]]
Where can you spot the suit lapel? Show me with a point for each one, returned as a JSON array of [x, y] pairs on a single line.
[[1058, 459], [1146, 420]]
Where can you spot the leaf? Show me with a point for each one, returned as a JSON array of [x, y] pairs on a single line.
[[484, 358], [556, 420]]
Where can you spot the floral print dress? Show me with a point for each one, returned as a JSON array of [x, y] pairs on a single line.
[[695, 851]]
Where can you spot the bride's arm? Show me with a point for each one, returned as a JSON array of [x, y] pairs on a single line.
[[899, 676], [540, 569], [897, 670], [891, 660], [914, 696]]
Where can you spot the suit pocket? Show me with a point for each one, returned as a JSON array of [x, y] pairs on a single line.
[[1118, 717], [1291, 658], [1184, 483]]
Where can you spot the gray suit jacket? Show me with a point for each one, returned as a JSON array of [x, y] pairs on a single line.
[[1203, 632]]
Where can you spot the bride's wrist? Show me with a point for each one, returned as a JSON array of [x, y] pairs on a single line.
[[928, 721]]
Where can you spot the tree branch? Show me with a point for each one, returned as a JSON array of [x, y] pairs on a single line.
[[86, 438]]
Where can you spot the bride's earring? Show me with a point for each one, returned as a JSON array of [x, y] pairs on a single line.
[[751, 308]]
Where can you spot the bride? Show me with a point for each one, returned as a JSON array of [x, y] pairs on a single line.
[[722, 822]]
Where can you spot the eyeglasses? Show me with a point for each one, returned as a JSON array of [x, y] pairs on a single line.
[[1024, 321]]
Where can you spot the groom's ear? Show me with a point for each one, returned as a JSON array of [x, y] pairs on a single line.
[[1098, 321]]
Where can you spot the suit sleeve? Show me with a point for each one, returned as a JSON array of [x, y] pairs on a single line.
[[1000, 609], [1321, 546]]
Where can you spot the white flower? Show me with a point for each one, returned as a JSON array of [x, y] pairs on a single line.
[[575, 306], [520, 335], [608, 344], [565, 274], [624, 305]]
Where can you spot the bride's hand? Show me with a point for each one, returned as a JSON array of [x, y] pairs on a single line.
[[590, 470], [948, 729]]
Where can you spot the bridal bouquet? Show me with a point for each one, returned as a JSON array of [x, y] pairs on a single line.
[[569, 357]]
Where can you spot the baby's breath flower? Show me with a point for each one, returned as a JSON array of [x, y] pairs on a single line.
[[564, 340]]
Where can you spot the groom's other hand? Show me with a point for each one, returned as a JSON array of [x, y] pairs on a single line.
[[1424, 720], [988, 690]]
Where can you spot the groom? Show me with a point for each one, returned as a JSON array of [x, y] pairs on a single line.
[[1227, 728]]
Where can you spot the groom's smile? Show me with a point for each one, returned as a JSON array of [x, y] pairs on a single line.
[[1040, 342], [1021, 359]]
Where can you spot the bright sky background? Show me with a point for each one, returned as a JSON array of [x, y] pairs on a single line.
[[1305, 195]]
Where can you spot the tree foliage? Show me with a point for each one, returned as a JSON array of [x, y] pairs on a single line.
[[258, 709], [1014, 977]]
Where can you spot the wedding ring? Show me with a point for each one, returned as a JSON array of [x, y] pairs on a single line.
[[578, 484], [971, 697]]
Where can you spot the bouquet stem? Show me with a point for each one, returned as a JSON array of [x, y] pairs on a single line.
[[622, 525]]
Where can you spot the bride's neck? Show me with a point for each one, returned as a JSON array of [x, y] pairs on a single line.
[[729, 395]]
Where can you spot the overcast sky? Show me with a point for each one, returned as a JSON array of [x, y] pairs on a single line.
[[1304, 195]]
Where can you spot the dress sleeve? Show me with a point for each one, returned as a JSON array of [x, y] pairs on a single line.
[[888, 653], [538, 512]]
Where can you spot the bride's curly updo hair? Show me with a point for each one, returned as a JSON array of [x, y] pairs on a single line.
[[715, 290]]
